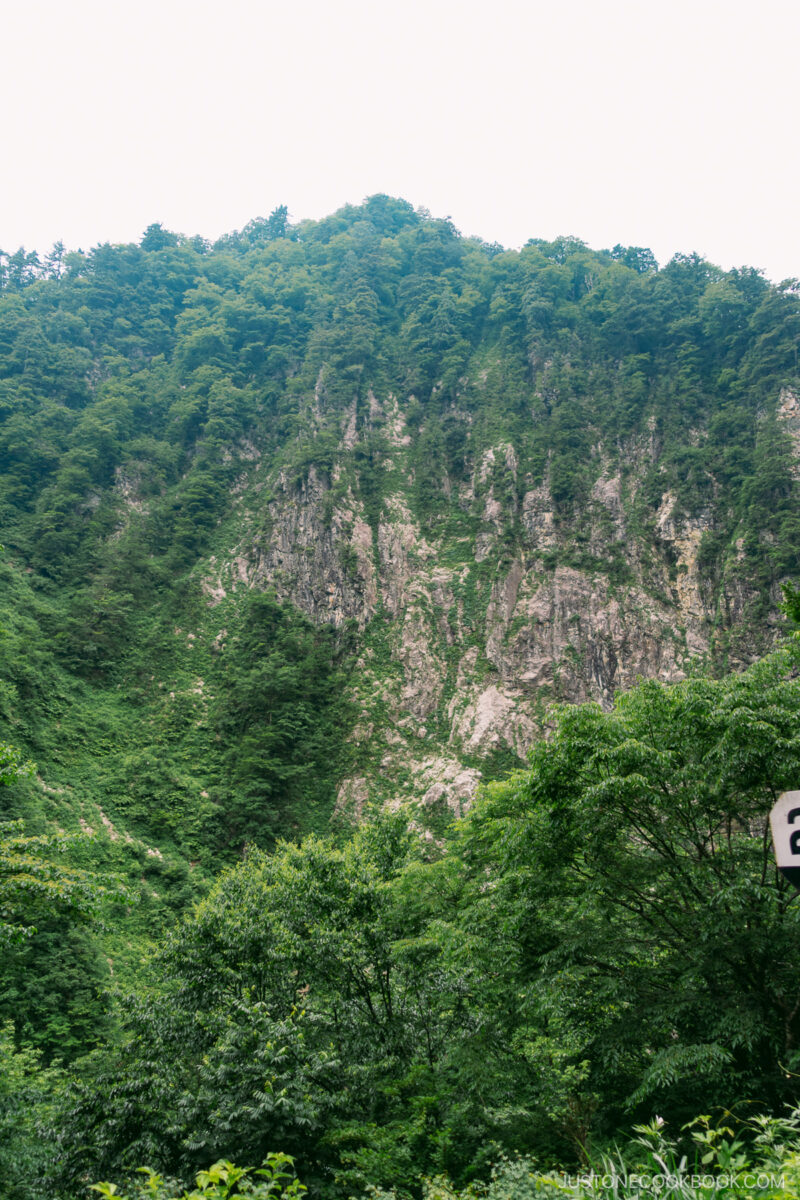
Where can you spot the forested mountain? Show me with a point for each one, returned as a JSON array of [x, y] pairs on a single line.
[[326, 515], [468, 480]]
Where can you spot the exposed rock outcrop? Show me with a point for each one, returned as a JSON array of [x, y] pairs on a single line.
[[466, 642]]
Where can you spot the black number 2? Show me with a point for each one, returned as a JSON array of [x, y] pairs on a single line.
[[794, 840]]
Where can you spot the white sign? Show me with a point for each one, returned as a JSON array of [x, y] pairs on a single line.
[[784, 822]]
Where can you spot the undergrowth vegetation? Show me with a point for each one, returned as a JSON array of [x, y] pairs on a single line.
[[603, 940]]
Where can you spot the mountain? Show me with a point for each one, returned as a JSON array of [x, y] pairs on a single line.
[[328, 514], [317, 522]]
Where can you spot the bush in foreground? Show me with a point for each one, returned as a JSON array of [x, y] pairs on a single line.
[[223, 1181], [758, 1159]]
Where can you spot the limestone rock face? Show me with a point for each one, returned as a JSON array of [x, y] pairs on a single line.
[[488, 718], [323, 561], [445, 780], [538, 518], [468, 632], [569, 633], [399, 546], [423, 670], [789, 417]]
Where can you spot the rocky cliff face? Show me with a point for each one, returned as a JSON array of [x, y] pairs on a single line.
[[468, 629]]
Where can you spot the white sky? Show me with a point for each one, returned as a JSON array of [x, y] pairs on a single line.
[[668, 124]]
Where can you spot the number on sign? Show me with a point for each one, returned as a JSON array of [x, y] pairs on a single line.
[[784, 822]]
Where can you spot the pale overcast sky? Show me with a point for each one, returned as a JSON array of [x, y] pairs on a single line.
[[671, 125]]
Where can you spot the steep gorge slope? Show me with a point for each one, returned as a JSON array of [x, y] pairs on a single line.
[[329, 514], [471, 622]]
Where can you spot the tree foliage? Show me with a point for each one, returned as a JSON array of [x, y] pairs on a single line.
[[604, 937]]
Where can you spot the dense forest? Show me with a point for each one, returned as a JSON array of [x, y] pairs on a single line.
[[335, 823]]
